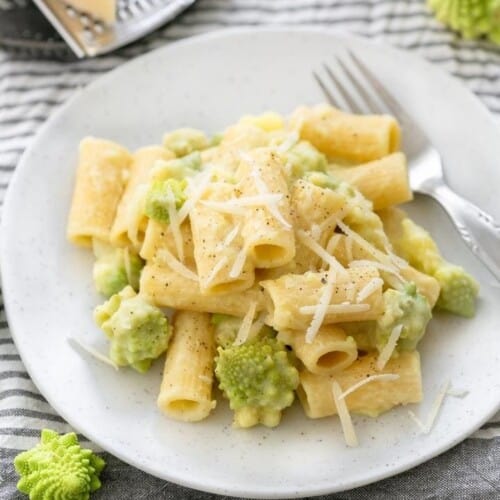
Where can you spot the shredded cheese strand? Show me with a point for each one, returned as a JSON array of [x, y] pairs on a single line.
[[315, 247], [388, 349], [383, 377], [257, 325], [288, 143], [333, 243], [434, 411], [263, 190], [336, 308], [238, 263], [380, 256], [436, 406], [231, 235], [176, 265], [197, 191], [174, 224], [94, 352], [373, 285], [320, 311], [246, 325], [216, 269], [345, 417]]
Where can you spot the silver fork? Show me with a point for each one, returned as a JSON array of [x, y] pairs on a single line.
[[478, 229]]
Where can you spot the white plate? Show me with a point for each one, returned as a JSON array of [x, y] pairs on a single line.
[[208, 82]]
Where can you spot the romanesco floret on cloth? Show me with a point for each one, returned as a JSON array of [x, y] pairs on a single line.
[[138, 331], [259, 380], [58, 467], [162, 195], [471, 18], [115, 269]]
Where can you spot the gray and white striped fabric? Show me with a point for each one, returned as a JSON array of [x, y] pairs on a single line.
[[30, 90]]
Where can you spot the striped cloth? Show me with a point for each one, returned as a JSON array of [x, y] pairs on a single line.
[[30, 90]]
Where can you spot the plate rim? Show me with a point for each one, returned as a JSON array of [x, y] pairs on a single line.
[[191, 482]]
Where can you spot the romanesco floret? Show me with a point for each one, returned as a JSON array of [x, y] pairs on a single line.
[[161, 196], [407, 308], [184, 141], [226, 329], [139, 332], [58, 467], [259, 380], [471, 18], [302, 158], [115, 269], [458, 288]]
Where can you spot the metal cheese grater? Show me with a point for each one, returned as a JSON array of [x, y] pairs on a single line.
[[88, 37]]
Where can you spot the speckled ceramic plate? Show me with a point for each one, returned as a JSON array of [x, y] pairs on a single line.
[[208, 82]]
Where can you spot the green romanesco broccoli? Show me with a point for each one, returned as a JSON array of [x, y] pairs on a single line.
[[139, 332], [458, 288], [360, 216], [259, 380], [407, 308], [303, 157], [184, 141], [58, 467], [471, 18], [161, 196], [115, 269], [226, 329]]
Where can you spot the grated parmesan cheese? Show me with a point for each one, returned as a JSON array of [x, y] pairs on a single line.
[[316, 232], [216, 269], [176, 265], [321, 309], [348, 248], [236, 206], [174, 224], [263, 190], [382, 267], [238, 263], [345, 417], [196, 191], [434, 411], [375, 252], [231, 236], [333, 243], [246, 325], [288, 143], [388, 349], [94, 352], [315, 247], [373, 285], [336, 308], [383, 377]]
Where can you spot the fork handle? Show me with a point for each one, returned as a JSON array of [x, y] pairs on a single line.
[[478, 229]]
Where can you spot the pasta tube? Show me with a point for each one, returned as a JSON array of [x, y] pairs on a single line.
[[267, 231], [314, 209], [129, 210], [102, 174], [373, 398], [292, 299], [384, 182], [218, 244], [167, 288], [352, 138], [330, 352], [186, 387]]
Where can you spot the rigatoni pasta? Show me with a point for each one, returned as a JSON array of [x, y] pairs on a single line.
[[278, 247], [188, 376]]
